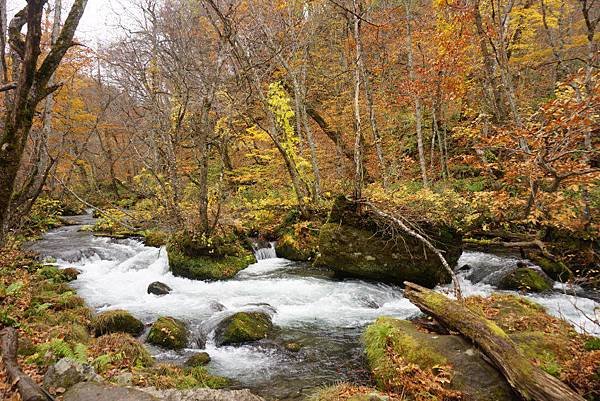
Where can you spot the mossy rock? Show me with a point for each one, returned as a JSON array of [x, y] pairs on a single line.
[[527, 279], [288, 248], [243, 327], [199, 359], [168, 332], [390, 342], [117, 321], [556, 270], [299, 242], [119, 351], [353, 245], [207, 268]]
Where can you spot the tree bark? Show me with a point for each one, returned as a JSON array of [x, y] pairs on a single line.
[[28, 389], [528, 381], [358, 135]]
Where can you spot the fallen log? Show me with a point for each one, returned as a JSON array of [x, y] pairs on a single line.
[[528, 381], [28, 389]]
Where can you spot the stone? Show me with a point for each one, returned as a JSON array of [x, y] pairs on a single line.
[[158, 288], [199, 359], [243, 327], [353, 245], [292, 346], [169, 333], [527, 279], [201, 394], [66, 373], [104, 392], [124, 379], [117, 321], [70, 273]]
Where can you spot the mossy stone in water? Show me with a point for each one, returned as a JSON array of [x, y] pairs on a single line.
[[117, 321], [525, 278], [243, 327], [557, 270], [168, 332], [199, 359]]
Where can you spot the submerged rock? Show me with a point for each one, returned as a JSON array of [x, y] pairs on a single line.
[[117, 321], [158, 288], [353, 245], [66, 373], [168, 332], [199, 359], [243, 327], [527, 279]]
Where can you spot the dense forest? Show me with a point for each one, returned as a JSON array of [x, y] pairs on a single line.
[[371, 145]]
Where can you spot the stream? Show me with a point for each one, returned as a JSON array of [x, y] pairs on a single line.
[[325, 315]]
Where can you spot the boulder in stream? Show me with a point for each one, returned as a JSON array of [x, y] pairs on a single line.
[[158, 288], [243, 327], [199, 359], [168, 332], [354, 245], [526, 278], [117, 321], [104, 392], [66, 373]]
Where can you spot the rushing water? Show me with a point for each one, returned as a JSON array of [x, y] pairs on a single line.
[[326, 316]]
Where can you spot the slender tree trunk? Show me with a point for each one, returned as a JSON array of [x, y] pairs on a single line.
[[415, 94], [358, 141]]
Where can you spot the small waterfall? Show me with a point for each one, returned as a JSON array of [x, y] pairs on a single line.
[[264, 250]]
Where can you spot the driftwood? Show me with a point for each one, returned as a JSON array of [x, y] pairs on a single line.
[[528, 381], [29, 390]]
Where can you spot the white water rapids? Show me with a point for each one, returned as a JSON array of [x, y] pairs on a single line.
[[327, 316]]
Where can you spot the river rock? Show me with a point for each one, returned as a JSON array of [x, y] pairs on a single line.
[[528, 279], [117, 321], [202, 394], [104, 392], [168, 332], [199, 359], [353, 245], [243, 327], [71, 273], [158, 288], [472, 374], [66, 373]]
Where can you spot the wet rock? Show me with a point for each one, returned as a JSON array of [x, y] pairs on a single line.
[[353, 245], [199, 359], [158, 288], [217, 306], [104, 392], [124, 379], [292, 346], [201, 394], [71, 273], [117, 321], [464, 268], [243, 327], [526, 279], [556, 270], [168, 332], [200, 341], [66, 373]]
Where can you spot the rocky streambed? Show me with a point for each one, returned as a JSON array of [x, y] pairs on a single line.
[[323, 317]]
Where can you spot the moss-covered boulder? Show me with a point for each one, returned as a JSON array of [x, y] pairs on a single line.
[[353, 244], [555, 269], [243, 327], [526, 279], [117, 321], [199, 359], [168, 332], [406, 360], [299, 242], [198, 258]]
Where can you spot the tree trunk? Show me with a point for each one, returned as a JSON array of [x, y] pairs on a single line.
[[415, 94], [358, 136], [528, 381], [28, 389]]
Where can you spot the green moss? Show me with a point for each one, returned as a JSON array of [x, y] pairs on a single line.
[[169, 333], [592, 344], [155, 238], [243, 327], [388, 334], [164, 376], [119, 350], [117, 321], [206, 267], [556, 270], [199, 359], [525, 278]]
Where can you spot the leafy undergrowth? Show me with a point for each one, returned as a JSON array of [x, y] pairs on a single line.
[[549, 342], [350, 392], [54, 323]]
